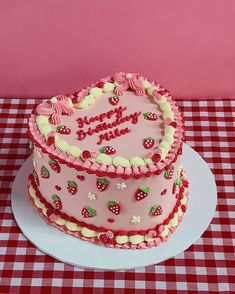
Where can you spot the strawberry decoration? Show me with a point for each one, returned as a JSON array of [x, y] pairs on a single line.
[[58, 188], [148, 142], [88, 212], [63, 130], [44, 172], [102, 184], [155, 210], [57, 202], [107, 150], [72, 187], [35, 175], [164, 192], [142, 193], [114, 100], [54, 165], [150, 116], [114, 206], [168, 174]]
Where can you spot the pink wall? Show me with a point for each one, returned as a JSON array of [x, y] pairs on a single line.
[[56, 46]]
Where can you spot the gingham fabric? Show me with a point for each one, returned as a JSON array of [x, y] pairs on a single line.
[[207, 266]]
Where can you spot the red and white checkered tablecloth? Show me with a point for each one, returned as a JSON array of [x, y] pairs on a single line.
[[207, 266]]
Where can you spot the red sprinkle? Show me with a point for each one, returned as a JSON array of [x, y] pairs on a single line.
[[58, 188], [111, 220]]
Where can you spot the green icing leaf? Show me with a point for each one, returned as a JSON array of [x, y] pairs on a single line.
[[145, 189], [146, 114], [103, 181], [153, 209], [45, 171], [72, 184], [91, 211], [52, 161], [58, 128], [113, 202], [179, 181], [35, 174], [55, 198], [102, 150]]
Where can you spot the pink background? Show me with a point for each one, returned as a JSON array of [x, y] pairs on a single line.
[[55, 46]]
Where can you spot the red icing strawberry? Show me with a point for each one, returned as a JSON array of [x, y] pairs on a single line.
[[57, 202], [164, 192], [168, 174], [54, 165], [150, 116], [142, 193], [58, 188], [44, 172], [72, 187], [63, 130], [184, 208], [35, 175], [102, 184], [155, 210], [148, 142], [114, 100], [107, 150], [88, 212], [86, 154], [114, 206]]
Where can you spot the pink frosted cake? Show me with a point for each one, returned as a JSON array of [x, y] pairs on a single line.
[[107, 163]]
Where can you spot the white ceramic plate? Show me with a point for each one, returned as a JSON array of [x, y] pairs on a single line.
[[201, 208]]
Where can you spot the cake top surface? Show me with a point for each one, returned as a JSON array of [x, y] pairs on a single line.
[[123, 125]]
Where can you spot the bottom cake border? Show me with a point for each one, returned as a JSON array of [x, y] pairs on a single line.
[[106, 237]]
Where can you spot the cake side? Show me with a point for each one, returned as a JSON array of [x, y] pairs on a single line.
[[110, 238], [112, 203]]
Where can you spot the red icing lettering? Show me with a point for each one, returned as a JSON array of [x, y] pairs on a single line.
[[81, 135], [112, 135], [103, 126]]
